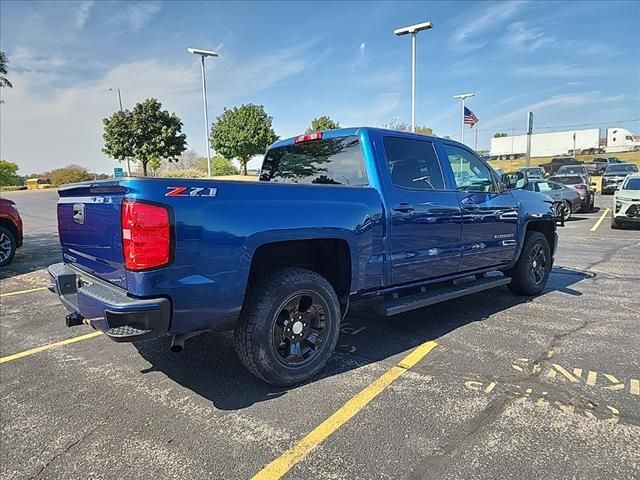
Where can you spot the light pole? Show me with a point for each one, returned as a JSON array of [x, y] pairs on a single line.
[[463, 97], [413, 30], [203, 54], [120, 103]]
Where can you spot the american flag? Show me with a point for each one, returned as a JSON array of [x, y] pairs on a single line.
[[470, 117]]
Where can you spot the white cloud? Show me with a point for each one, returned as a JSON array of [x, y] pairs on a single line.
[[562, 70], [480, 20], [82, 14], [24, 58], [45, 126], [135, 16], [363, 46], [522, 37]]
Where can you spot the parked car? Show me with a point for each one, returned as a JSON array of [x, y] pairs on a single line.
[[599, 164], [566, 200], [614, 175], [626, 202], [573, 170], [534, 173], [583, 185], [10, 231], [557, 162], [331, 220]]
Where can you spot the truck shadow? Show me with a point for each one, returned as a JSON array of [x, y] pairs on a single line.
[[209, 366]]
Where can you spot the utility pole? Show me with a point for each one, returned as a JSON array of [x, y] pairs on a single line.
[[413, 30], [203, 54]]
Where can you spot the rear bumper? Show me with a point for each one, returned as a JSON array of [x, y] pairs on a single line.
[[109, 308]]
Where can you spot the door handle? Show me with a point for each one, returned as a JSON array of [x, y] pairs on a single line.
[[403, 207]]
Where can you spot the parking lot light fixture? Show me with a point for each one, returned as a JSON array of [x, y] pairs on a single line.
[[413, 30], [203, 54], [462, 97]]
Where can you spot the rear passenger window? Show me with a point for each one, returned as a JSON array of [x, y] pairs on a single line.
[[330, 161], [544, 187], [413, 164]]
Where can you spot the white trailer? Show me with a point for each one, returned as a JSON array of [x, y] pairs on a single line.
[[562, 143], [546, 144]]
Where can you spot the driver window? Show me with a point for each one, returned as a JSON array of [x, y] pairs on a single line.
[[471, 174], [413, 164]]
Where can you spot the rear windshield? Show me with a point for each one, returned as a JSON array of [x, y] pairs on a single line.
[[332, 161], [571, 169], [568, 180], [621, 168], [632, 184]]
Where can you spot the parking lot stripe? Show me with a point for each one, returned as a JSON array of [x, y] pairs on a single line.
[[22, 291], [602, 217], [49, 346], [288, 459]]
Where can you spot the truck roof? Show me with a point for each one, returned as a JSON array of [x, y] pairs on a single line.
[[345, 132]]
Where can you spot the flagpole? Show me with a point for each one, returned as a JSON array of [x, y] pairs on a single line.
[[462, 97]]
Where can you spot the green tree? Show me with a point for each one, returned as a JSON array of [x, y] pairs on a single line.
[[500, 135], [321, 124], [242, 132], [221, 166], [68, 174], [405, 127], [8, 174], [4, 81], [145, 134]]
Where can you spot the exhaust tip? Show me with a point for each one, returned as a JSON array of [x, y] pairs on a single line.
[[175, 348]]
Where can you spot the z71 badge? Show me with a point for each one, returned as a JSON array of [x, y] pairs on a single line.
[[191, 192]]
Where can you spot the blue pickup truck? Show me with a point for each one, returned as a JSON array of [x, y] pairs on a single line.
[[336, 217]]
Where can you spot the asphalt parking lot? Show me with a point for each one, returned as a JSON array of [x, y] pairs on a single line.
[[512, 387]]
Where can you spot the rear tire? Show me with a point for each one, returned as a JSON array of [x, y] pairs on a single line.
[[282, 340], [530, 273], [7, 247], [567, 208]]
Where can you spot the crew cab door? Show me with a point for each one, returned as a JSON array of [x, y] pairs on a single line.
[[424, 218], [489, 215]]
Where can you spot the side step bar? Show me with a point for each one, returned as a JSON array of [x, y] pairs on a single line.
[[441, 294]]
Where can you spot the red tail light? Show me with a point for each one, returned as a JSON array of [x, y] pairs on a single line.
[[308, 137], [146, 235], [581, 187]]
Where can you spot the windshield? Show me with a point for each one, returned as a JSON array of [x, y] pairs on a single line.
[[334, 161], [626, 168], [574, 180], [632, 184]]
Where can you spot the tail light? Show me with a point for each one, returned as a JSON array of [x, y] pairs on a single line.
[[146, 235]]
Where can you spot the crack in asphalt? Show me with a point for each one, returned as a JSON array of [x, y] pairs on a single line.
[[68, 448]]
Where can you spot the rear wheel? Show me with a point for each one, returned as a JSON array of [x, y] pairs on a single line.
[[288, 327], [530, 274], [566, 209], [7, 247]]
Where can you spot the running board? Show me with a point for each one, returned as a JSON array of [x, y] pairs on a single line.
[[441, 294]]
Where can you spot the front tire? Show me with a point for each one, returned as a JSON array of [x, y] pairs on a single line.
[[615, 224], [531, 272], [7, 247], [288, 327]]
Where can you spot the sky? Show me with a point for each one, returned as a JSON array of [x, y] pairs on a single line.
[[571, 63]]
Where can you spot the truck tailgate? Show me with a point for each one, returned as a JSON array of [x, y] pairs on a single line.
[[90, 230]]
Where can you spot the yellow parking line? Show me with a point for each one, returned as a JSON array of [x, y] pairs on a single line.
[[49, 346], [10, 294], [602, 217], [288, 459]]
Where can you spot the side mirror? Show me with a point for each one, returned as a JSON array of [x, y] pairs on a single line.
[[514, 180]]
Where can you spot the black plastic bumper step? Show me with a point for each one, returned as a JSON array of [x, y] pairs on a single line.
[[128, 333], [441, 294]]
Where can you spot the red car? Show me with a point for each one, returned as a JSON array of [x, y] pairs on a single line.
[[10, 231]]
